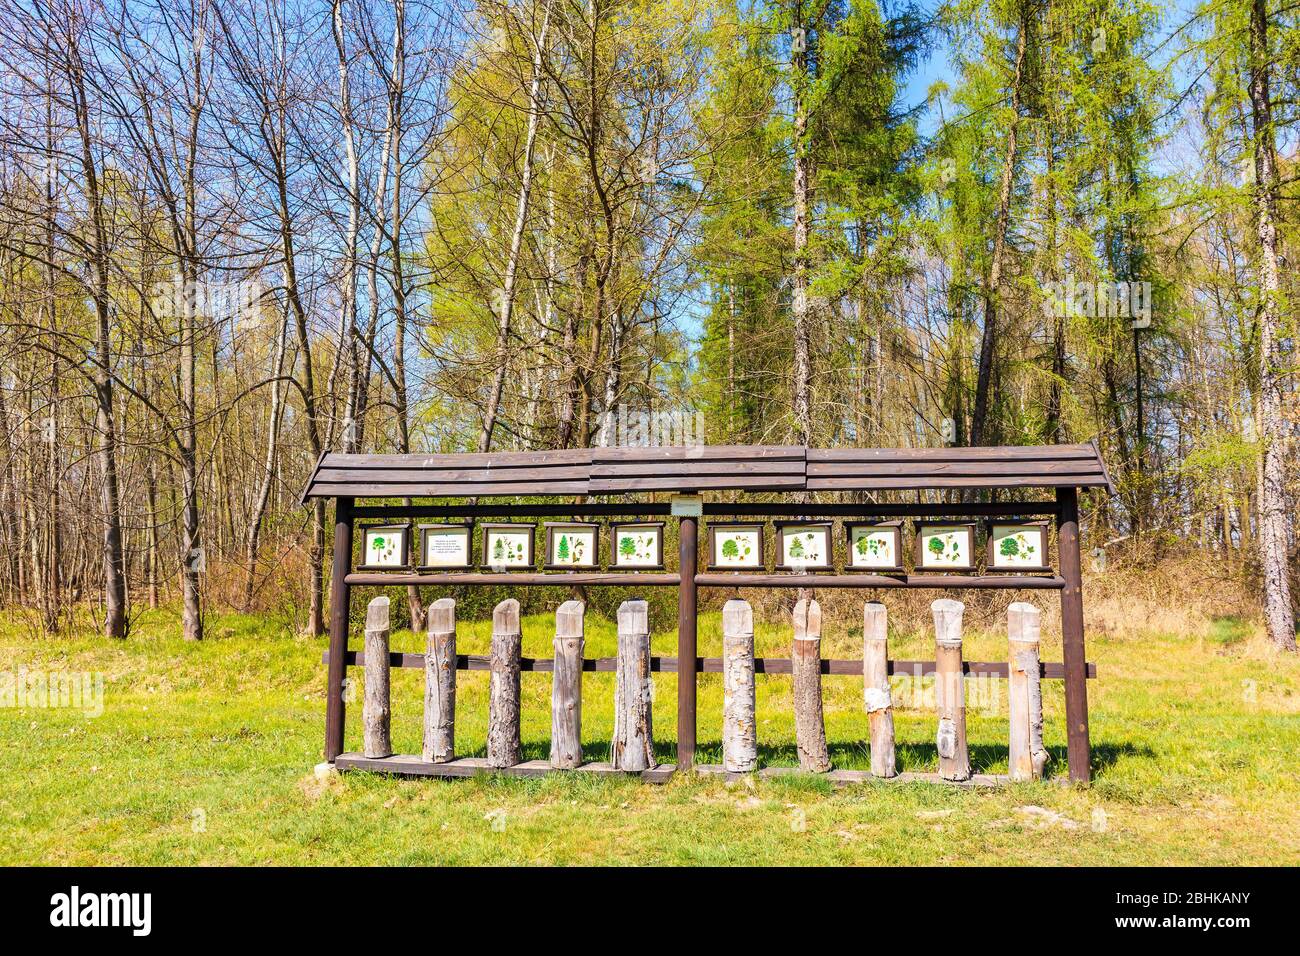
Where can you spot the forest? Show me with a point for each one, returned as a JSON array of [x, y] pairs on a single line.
[[235, 234]]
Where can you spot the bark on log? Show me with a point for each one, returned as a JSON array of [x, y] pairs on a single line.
[[949, 691], [440, 683], [806, 663], [566, 687], [503, 749], [739, 731], [633, 745], [375, 712], [875, 689], [1026, 754]]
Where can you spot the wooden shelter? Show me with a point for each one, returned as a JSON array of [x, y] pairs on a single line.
[[644, 483]]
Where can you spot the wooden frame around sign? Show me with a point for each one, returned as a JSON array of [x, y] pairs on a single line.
[[614, 530], [467, 530], [528, 529], [918, 556], [893, 526], [990, 559], [554, 527], [715, 526], [785, 527], [403, 531]]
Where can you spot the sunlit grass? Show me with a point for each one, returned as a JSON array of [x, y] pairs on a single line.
[[204, 752]]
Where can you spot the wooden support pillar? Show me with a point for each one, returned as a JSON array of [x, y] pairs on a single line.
[[566, 687], [875, 689], [739, 729], [633, 745], [1075, 658], [950, 691], [806, 662], [1026, 754], [687, 555], [340, 605], [503, 747], [440, 683], [376, 712]]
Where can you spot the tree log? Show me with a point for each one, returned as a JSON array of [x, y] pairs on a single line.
[[566, 687], [503, 748], [633, 745], [806, 663], [375, 712], [1026, 754], [440, 682], [739, 731], [875, 689], [950, 691]]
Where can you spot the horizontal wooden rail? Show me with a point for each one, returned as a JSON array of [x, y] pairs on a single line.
[[1002, 582], [1051, 670], [975, 509], [524, 579]]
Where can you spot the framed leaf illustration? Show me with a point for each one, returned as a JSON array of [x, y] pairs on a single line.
[[803, 546], [735, 546], [507, 546], [637, 545], [445, 547], [384, 547], [1017, 546], [875, 547], [945, 547], [572, 545]]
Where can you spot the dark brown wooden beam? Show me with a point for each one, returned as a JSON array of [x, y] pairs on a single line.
[[939, 581], [1050, 670], [521, 579]]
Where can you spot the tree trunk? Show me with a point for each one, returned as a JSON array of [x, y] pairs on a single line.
[[802, 396], [949, 691], [876, 691], [440, 683], [1270, 498], [503, 746], [376, 708], [988, 340], [739, 727], [633, 744], [806, 661], [566, 687], [1026, 755]]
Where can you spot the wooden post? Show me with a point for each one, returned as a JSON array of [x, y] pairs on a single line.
[[375, 710], [806, 662], [340, 609], [687, 555], [739, 731], [950, 691], [875, 689], [503, 747], [566, 687], [1076, 666], [633, 745], [440, 683], [1026, 755]]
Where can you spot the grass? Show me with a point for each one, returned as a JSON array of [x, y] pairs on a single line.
[[203, 755]]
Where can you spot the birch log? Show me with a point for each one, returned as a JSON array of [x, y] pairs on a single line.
[[503, 748], [949, 691], [1026, 753], [566, 687], [440, 683], [633, 745], [806, 656], [875, 689], [739, 732], [375, 712]]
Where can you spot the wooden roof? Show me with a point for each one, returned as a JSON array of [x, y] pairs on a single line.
[[782, 468]]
